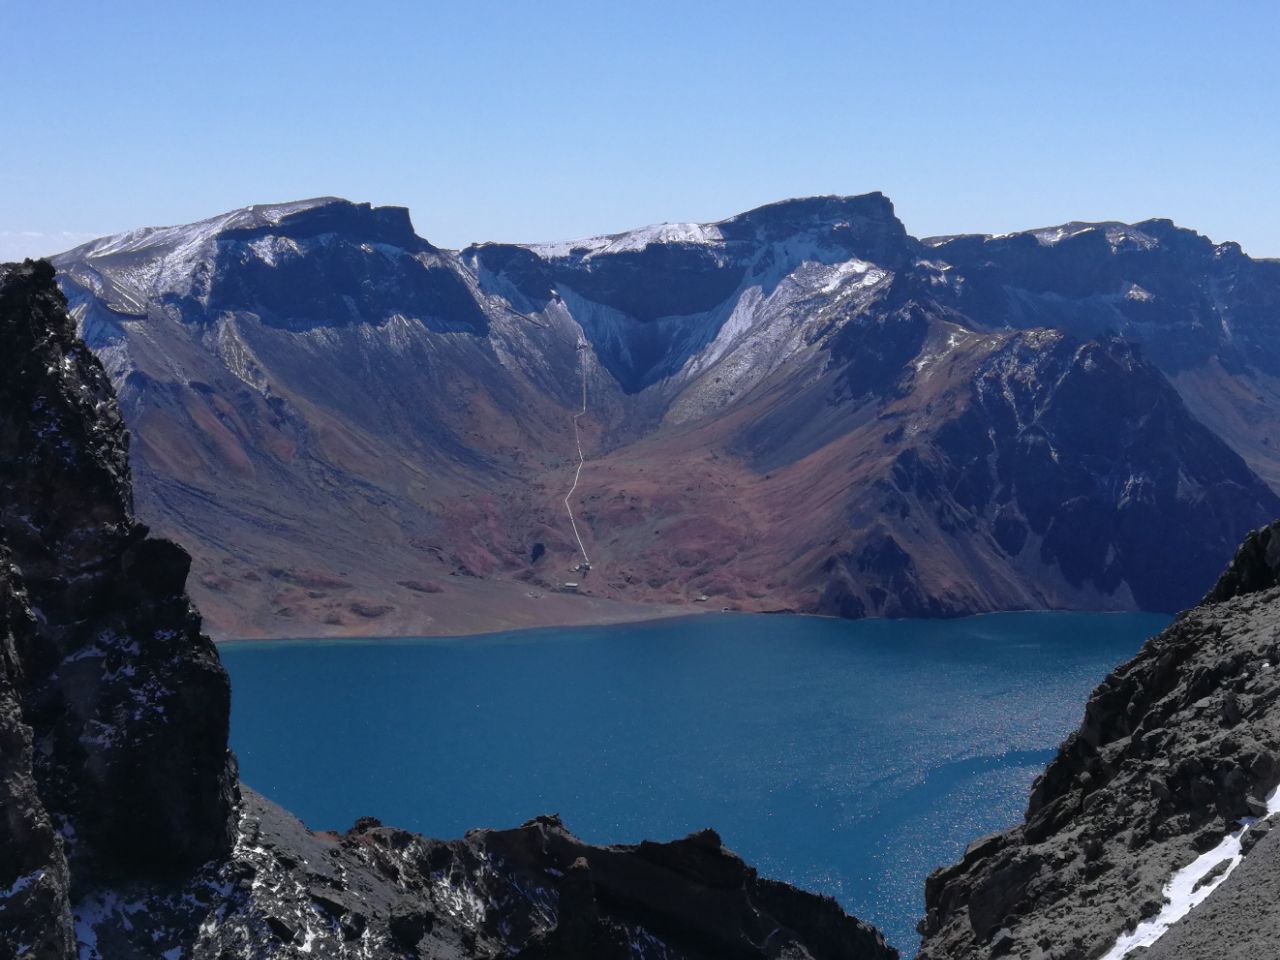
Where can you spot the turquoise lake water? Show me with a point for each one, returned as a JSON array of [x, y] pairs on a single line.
[[850, 758]]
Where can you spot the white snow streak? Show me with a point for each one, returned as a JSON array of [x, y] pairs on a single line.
[[1183, 894], [631, 240], [21, 884]]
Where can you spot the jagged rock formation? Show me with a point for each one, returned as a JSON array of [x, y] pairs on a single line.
[[532, 892], [1204, 312], [116, 705], [125, 834], [800, 407], [1176, 748], [1255, 567], [35, 905]]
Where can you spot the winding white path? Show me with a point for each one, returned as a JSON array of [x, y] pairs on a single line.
[[577, 437]]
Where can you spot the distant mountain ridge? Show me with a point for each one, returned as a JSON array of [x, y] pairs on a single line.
[[799, 407]]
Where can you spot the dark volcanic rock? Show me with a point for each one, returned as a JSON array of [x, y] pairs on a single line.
[[1176, 747], [1042, 452], [125, 834], [1238, 921], [1256, 567], [1183, 296], [338, 264], [35, 909], [1093, 449], [127, 699], [535, 892]]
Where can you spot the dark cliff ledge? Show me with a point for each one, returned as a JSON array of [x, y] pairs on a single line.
[[1256, 567], [125, 834], [389, 225], [1177, 747]]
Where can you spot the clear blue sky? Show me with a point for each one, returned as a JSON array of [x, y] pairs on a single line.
[[530, 120]]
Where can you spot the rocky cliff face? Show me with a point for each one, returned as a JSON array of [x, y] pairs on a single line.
[[1204, 312], [125, 833], [800, 407], [1176, 764], [35, 905], [116, 704], [651, 300]]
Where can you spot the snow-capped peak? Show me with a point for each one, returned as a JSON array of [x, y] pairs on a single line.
[[1119, 235], [182, 235], [630, 240]]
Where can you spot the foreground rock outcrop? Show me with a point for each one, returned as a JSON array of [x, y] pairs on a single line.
[[113, 705], [1179, 747], [533, 892], [124, 832]]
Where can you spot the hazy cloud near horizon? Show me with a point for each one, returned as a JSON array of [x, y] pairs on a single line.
[[20, 244]]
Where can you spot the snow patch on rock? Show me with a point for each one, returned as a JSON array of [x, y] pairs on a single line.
[[630, 241], [1192, 885]]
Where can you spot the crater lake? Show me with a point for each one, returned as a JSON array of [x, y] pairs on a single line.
[[848, 758]]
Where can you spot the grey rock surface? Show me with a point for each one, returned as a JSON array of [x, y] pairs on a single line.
[[1256, 566], [1239, 920]]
